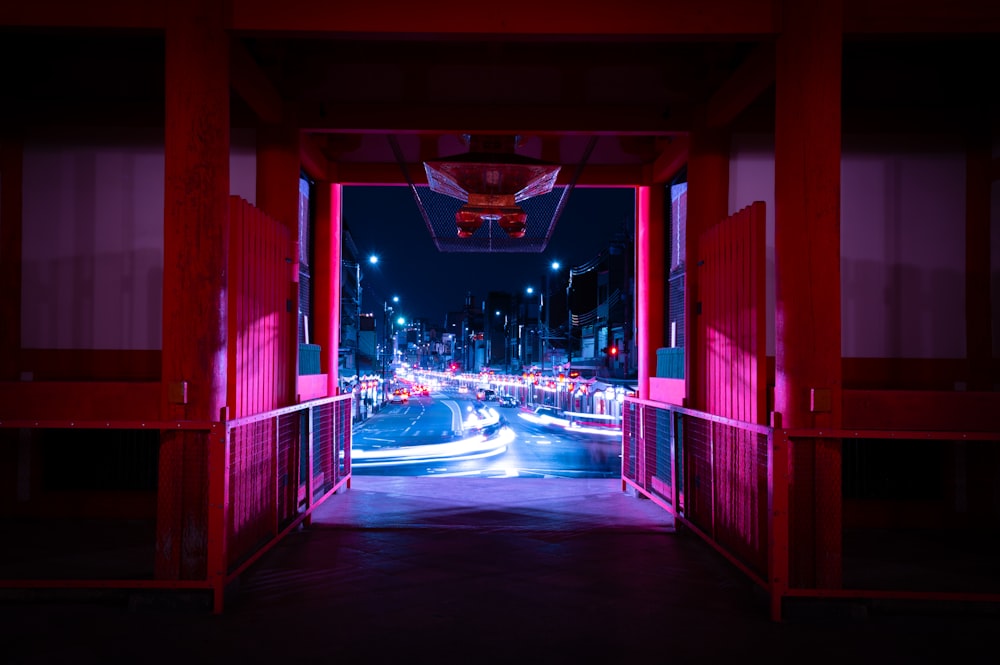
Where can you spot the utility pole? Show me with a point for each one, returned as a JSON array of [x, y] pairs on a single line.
[[569, 325]]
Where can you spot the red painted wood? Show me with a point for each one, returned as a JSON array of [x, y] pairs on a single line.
[[708, 196], [257, 356], [196, 248], [807, 214], [757, 362], [326, 286], [79, 400], [672, 17], [936, 374], [11, 152], [278, 172], [91, 364], [922, 410], [978, 307], [259, 339], [233, 301], [667, 391], [731, 275], [807, 273], [650, 277]]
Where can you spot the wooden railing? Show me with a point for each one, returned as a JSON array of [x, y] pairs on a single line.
[[929, 536], [265, 475]]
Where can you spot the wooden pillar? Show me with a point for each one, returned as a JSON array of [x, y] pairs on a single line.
[[707, 205], [326, 280], [195, 264], [807, 277], [651, 234], [11, 240]]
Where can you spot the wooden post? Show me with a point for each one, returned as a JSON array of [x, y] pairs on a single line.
[[196, 254], [326, 280], [807, 277], [650, 276]]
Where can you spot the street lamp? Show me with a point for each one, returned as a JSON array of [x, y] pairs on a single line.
[[527, 318], [373, 259], [387, 311], [555, 267], [357, 314]]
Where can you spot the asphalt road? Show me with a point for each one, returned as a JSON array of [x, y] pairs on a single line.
[[442, 435]]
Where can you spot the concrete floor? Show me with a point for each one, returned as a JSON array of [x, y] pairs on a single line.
[[453, 570]]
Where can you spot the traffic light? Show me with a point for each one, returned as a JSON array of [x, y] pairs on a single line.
[[612, 351]]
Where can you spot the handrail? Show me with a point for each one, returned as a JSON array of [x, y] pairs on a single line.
[[731, 444]]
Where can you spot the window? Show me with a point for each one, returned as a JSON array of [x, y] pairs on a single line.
[[306, 217]]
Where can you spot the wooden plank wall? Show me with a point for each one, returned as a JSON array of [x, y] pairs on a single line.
[[733, 257], [260, 342]]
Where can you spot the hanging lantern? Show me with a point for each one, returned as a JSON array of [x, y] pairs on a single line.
[[491, 179]]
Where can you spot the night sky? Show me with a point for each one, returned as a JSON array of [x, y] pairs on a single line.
[[385, 221]]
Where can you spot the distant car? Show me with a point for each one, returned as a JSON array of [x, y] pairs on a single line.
[[399, 397], [463, 389], [546, 416], [507, 400]]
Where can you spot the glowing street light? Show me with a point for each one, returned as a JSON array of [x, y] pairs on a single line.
[[555, 267]]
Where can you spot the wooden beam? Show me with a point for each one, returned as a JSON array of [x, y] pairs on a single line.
[[488, 117], [387, 173], [671, 160], [253, 86], [680, 18], [525, 17], [71, 13], [920, 17], [314, 161], [751, 79]]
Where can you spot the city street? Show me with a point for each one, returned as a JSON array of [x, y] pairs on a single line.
[[452, 434]]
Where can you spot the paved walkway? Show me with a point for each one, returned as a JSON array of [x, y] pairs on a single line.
[[452, 570]]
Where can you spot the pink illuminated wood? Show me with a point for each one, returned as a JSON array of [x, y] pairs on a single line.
[[650, 278], [326, 281], [258, 337], [708, 204], [278, 173]]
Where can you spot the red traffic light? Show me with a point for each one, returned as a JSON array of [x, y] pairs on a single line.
[[613, 350]]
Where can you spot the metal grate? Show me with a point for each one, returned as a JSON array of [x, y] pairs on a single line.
[[440, 210]]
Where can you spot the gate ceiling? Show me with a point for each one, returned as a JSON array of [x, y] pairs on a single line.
[[605, 95]]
